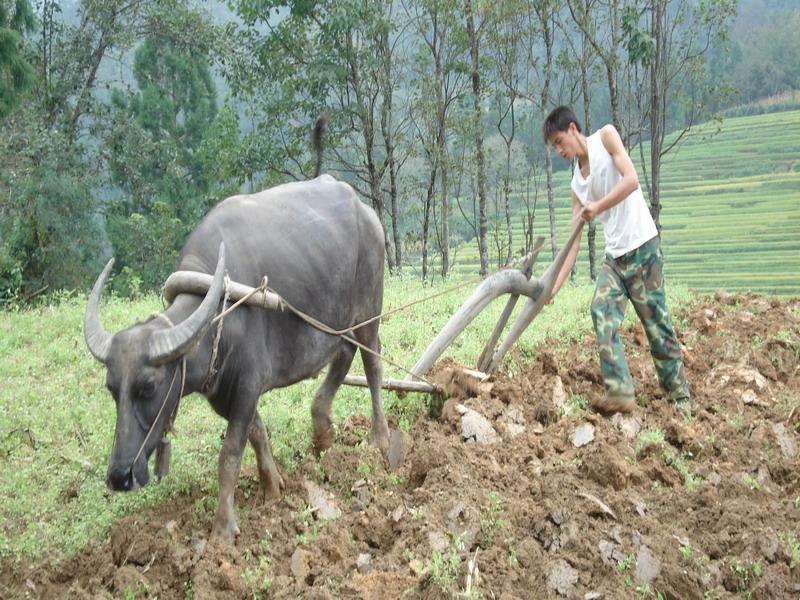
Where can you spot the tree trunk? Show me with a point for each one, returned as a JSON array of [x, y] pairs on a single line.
[[551, 208], [507, 202], [426, 221], [445, 241], [591, 233], [656, 109], [388, 140], [366, 111], [441, 145], [483, 224]]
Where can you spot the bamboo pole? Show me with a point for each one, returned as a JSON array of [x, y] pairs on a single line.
[[397, 385]]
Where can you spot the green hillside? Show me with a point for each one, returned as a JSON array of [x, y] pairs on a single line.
[[730, 208]]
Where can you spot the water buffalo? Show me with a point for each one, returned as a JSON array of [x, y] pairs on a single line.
[[323, 251]]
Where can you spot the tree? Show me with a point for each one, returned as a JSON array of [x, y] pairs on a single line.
[[585, 55], [475, 75], [439, 84], [340, 57], [506, 37], [50, 235], [671, 47], [768, 58], [157, 157], [16, 72]]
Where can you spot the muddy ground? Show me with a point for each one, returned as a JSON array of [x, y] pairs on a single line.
[[545, 499]]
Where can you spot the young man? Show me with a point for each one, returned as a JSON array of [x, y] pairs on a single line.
[[605, 186]]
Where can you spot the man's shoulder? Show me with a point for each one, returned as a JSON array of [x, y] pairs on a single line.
[[608, 130], [610, 137]]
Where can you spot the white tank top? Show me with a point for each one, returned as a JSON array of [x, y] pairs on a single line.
[[627, 225]]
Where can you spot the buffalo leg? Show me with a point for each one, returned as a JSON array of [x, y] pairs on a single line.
[[271, 481], [321, 409], [230, 461], [374, 371]]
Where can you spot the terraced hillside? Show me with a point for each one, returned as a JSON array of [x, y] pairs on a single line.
[[731, 208]]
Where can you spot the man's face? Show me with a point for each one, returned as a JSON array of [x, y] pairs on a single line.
[[566, 142]]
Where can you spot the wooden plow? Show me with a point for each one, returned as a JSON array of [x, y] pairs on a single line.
[[515, 282]]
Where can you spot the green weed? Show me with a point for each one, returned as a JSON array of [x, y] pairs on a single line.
[[258, 579], [686, 551], [649, 438], [577, 404], [690, 479], [794, 548], [491, 512], [443, 569], [745, 573], [751, 482]]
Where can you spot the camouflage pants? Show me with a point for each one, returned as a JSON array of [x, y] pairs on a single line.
[[636, 275]]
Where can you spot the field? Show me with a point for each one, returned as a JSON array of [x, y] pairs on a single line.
[[730, 208], [652, 507], [547, 499]]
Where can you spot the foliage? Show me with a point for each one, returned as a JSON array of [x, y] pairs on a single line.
[[50, 236], [768, 58], [51, 149], [120, 100], [159, 158], [146, 245], [16, 72]]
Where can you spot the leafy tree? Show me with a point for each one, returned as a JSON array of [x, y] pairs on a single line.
[[51, 232], [50, 238], [157, 157], [337, 56], [677, 36], [16, 72]]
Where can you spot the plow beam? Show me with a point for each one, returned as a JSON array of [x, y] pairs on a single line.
[[511, 281], [534, 305]]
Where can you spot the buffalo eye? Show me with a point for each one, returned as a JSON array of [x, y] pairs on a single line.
[[146, 389]]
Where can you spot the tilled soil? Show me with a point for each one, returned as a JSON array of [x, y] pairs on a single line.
[[545, 498]]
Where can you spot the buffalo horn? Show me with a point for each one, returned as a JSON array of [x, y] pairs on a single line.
[[172, 343], [97, 339]]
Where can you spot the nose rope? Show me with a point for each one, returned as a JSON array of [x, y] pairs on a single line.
[[161, 410]]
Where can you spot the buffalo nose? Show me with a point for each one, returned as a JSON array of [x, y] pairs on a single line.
[[120, 479]]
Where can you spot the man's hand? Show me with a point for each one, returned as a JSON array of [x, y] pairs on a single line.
[[588, 212]]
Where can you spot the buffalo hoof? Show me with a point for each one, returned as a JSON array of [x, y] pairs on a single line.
[[271, 490], [322, 440], [224, 534], [380, 436]]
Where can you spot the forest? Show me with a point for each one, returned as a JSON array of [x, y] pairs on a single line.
[[124, 121]]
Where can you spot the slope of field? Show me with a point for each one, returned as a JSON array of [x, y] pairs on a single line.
[[730, 208]]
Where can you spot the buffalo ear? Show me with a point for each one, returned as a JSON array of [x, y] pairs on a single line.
[[170, 344], [97, 339]]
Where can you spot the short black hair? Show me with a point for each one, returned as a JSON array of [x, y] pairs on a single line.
[[559, 120]]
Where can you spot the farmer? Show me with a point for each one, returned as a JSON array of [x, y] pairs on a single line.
[[605, 186]]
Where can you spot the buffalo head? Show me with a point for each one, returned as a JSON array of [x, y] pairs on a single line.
[[144, 376]]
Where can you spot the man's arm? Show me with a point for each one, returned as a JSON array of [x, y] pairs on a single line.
[[625, 186], [573, 252]]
